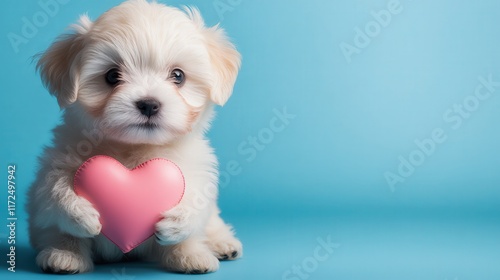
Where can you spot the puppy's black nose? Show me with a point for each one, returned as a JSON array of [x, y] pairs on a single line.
[[148, 107]]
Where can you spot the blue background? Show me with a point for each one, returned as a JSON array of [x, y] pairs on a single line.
[[323, 175]]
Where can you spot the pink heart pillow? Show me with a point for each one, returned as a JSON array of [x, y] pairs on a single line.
[[130, 202]]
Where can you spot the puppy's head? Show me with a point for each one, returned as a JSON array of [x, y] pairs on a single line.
[[143, 71]]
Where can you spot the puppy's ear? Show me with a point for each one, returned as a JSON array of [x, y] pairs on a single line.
[[60, 65], [226, 61], [224, 57]]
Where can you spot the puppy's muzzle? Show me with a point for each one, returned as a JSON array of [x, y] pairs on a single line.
[[148, 107]]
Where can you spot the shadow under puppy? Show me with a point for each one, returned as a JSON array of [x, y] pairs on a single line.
[[142, 81]]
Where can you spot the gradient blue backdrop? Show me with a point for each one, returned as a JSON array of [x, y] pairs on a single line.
[[323, 174]]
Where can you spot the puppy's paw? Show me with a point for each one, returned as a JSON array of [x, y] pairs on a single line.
[[229, 248], [191, 261], [83, 220], [173, 228], [89, 224], [58, 261]]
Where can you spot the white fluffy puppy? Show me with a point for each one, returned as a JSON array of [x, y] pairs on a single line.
[[138, 83]]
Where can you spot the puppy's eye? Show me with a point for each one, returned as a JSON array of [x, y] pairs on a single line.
[[178, 77], [113, 77]]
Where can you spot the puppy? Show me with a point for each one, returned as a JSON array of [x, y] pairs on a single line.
[[139, 83]]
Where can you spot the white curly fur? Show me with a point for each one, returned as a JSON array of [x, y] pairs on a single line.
[[145, 41]]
